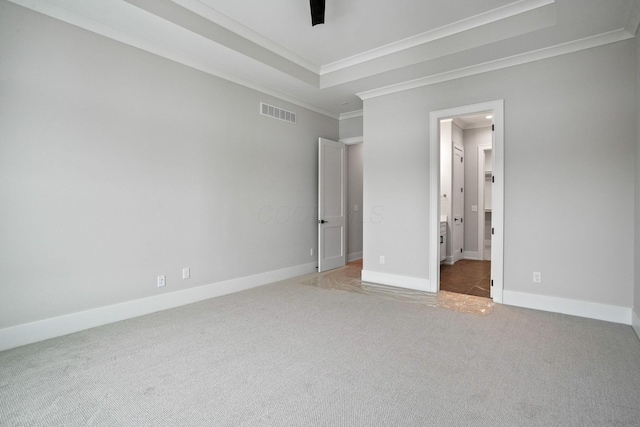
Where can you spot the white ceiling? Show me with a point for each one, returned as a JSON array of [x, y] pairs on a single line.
[[365, 47], [351, 27], [474, 121]]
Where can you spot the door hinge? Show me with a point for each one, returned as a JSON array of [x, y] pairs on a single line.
[[493, 128], [461, 159], [460, 250], [462, 189], [493, 230], [492, 283], [493, 178], [461, 219]]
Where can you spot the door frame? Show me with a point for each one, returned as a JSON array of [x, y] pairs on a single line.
[[482, 154], [457, 255], [497, 213]]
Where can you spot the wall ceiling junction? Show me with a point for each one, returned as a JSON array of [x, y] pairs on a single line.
[[365, 48]]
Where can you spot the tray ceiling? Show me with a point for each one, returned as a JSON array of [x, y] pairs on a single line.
[[366, 47]]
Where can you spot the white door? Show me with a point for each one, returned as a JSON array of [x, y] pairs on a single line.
[[332, 198], [458, 203]]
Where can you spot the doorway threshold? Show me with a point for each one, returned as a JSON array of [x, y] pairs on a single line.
[[348, 279]]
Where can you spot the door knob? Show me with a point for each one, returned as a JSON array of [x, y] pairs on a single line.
[[322, 221]]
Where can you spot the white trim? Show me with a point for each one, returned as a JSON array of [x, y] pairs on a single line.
[[405, 282], [482, 242], [117, 34], [208, 12], [351, 114], [455, 231], [591, 310], [352, 141], [59, 12], [635, 322], [28, 333], [472, 255], [354, 256], [511, 61], [497, 249], [467, 24]]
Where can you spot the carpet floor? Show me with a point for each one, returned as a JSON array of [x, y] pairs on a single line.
[[290, 354]]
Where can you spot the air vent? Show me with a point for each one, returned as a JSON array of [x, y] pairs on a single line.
[[277, 113]]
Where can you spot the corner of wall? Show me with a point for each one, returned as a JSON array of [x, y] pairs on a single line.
[[636, 284]]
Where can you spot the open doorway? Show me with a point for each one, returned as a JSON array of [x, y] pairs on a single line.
[[461, 231], [465, 179]]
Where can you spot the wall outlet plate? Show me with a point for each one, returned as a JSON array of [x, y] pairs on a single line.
[[537, 277], [162, 281]]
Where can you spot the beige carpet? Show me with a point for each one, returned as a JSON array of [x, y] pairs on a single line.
[[289, 354]]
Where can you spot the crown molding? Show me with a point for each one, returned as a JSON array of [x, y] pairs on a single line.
[[191, 21], [201, 8], [488, 17], [352, 141], [536, 55], [351, 115], [454, 40], [79, 20], [278, 58]]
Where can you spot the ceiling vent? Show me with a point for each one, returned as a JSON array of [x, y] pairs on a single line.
[[277, 113]]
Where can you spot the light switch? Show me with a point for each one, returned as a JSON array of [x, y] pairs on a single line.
[[474, 208]]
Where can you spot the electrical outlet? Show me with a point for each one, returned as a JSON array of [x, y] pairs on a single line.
[[537, 277], [381, 259], [161, 281], [186, 273]]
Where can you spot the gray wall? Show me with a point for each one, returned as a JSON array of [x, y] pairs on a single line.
[[351, 128], [117, 166], [569, 173], [354, 194], [637, 214], [473, 138]]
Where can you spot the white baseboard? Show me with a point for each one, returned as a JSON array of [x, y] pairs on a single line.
[[354, 256], [28, 333], [592, 310], [470, 255], [406, 282], [635, 322]]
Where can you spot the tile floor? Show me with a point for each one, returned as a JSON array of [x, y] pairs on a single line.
[[467, 277]]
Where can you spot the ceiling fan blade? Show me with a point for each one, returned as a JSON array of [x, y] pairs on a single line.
[[317, 12]]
